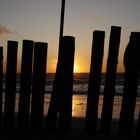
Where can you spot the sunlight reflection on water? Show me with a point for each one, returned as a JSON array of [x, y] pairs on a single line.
[[79, 106], [80, 101]]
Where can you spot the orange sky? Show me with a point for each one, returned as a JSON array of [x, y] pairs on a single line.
[[39, 20]]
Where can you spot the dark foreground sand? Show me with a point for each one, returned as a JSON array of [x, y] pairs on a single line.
[[76, 134]]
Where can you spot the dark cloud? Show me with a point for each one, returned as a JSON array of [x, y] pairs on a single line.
[[4, 30]]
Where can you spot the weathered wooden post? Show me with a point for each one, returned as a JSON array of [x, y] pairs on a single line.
[[109, 90], [94, 81], [61, 23], [51, 122], [1, 76], [38, 85], [61, 98], [10, 91], [25, 83], [66, 64], [132, 67]]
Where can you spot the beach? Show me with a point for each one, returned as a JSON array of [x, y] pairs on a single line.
[[78, 121], [77, 133], [79, 104]]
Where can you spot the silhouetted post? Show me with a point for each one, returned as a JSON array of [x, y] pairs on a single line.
[[10, 91], [38, 85], [66, 65], [109, 90], [1, 76], [61, 24], [25, 83], [61, 98], [132, 67], [94, 81]]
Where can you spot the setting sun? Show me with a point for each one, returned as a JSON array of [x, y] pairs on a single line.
[[76, 69]]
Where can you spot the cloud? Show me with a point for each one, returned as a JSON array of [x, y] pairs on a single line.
[[4, 30]]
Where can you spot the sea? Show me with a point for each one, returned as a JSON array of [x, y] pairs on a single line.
[[80, 89]]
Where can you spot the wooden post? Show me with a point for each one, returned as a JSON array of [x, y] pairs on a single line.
[[94, 81], [38, 85], [10, 91], [132, 67], [1, 82], [52, 125], [25, 83], [61, 98], [61, 24], [109, 90], [65, 90]]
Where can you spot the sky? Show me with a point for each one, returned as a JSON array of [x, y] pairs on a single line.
[[39, 20]]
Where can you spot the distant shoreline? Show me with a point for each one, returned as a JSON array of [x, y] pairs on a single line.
[[53, 73], [80, 83]]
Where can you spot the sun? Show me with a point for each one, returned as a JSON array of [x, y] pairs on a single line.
[[75, 68]]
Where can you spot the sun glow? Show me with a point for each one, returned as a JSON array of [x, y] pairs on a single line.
[[76, 69]]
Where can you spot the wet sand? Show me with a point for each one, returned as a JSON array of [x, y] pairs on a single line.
[[77, 133]]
